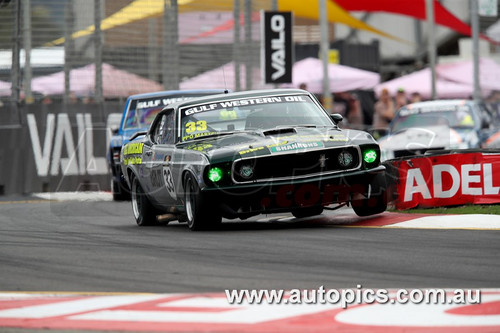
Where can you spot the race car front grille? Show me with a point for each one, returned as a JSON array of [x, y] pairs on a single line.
[[298, 164]]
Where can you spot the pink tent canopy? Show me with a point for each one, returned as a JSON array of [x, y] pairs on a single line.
[[5, 88], [420, 81], [463, 72], [453, 80], [342, 78], [223, 77], [116, 83]]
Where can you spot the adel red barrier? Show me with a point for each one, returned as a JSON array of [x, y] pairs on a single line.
[[446, 180]]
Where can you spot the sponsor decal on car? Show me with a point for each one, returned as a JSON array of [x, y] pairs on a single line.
[[296, 146], [243, 102], [133, 148], [199, 147], [197, 135]]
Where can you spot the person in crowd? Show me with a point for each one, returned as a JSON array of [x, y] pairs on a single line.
[[415, 97], [303, 86], [384, 110], [341, 103], [46, 100], [493, 105], [355, 112], [400, 98]]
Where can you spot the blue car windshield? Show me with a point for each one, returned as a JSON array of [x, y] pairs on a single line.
[[251, 113], [460, 117], [142, 112]]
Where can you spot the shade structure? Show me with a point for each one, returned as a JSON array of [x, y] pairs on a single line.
[[116, 82], [142, 9], [412, 8], [453, 80], [463, 72], [342, 78], [223, 77], [5, 88], [420, 81]]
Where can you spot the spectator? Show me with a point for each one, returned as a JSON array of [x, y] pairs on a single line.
[[303, 86], [341, 103], [415, 97], [46, 100], [384, 110], [401, 98], [355, 116], [72, 98]]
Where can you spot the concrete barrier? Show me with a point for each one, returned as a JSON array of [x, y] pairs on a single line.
[[55, 147]]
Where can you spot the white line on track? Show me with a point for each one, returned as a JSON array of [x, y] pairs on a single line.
[[75, 196], [467, 221]]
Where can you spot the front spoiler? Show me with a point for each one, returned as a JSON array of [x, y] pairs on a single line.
[[286, 195]]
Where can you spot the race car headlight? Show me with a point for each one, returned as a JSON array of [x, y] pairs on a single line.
[[370, 155], [215, 174], [345, 159], [246, 171]]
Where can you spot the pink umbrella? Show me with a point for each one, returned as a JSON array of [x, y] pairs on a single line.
[[342, 78], [420, 81], [116, 83], [463, 72]]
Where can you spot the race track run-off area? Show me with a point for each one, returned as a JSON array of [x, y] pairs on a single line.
[[84, 265], [212, 313]]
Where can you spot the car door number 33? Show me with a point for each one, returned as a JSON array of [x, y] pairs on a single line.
[[169, 182]]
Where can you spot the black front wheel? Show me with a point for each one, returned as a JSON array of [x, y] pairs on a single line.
[[307, 211], [144, 212], [120, 190], [200, 214], [370, 206], [376, 203]]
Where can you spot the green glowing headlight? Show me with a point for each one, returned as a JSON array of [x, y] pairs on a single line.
[[370, 156], [215, 174]]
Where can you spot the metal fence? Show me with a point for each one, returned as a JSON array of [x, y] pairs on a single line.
[[165, 41]]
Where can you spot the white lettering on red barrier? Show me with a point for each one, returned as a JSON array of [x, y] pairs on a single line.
[[468, 179]]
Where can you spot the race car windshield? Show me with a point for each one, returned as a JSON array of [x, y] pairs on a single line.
[[142, 112], [255, 113], [454, 118]]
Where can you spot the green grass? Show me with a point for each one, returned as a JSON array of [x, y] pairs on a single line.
[[468, 209]]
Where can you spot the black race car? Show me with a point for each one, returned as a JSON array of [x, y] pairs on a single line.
[[237, 155]]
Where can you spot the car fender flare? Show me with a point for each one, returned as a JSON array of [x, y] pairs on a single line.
[[184, 174], [130, 173]]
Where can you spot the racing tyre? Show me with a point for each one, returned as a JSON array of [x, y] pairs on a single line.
[[200, 214], [120, 191], [307, 211], [144, 212], [377, 203]]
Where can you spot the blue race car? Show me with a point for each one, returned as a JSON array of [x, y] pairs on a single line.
[[139, 112]]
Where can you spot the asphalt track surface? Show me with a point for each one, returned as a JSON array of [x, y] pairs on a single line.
[[97, 247]]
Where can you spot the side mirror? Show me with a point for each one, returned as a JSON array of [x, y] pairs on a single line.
[[137, 135], [336, 117]]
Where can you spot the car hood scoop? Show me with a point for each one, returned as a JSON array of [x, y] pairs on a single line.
[[277, 131]]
